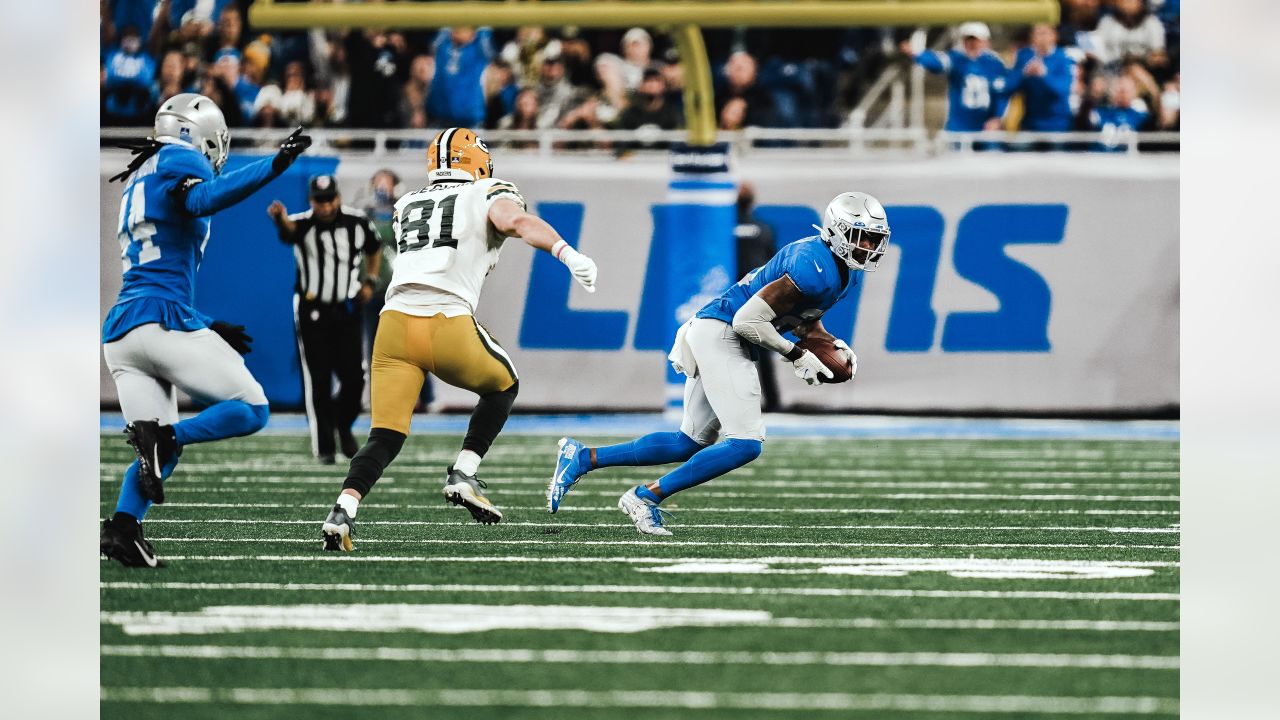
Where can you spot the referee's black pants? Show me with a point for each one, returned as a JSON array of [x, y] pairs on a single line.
[[330, 343]]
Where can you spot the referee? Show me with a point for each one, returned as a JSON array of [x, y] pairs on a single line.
[[339, 256]]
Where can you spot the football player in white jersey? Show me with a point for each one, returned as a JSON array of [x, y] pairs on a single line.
[[448, 236]]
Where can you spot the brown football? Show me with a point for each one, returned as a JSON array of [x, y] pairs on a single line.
[[837, 360]]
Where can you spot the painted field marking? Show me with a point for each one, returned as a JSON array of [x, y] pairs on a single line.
[[634, 560], [649, 590], [512, 472], [744, 526], [788, 702], [623, 482], [192, 487], [970, 568], [676, 543], [324, 506], [645, 657], [442, 618]]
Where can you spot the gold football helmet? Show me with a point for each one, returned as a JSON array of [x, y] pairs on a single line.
[[458, 155]]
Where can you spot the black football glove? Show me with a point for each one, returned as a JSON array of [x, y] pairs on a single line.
[[290, 149], [235, 336]]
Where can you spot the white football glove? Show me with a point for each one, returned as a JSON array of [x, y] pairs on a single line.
[[809, 368], [582, 267], [853, 357]]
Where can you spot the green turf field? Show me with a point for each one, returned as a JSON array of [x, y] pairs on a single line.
[[830, 578]]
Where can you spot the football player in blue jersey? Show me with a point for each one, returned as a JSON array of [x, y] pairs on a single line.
[[723, 426], [154, 340], [976, 97]]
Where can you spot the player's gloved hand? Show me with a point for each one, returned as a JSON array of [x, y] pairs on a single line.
[[235, 336], [809, 368], [853, 357], [290, 149], [582, 267]]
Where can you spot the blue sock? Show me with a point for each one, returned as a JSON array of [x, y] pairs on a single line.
[[229, 418], [131, 501], [652, 449], [708, 463]]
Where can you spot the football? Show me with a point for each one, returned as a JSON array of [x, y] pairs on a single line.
[[836, 359]]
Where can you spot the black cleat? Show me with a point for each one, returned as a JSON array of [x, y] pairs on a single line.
[[326, 459], [155, 444], [338, 530], [347, 443], [122, 541], [464, 490]]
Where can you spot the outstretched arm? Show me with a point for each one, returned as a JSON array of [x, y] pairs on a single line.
[[206, 197], [514, 221]]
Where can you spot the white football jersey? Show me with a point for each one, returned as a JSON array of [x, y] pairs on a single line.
[[445, 246]]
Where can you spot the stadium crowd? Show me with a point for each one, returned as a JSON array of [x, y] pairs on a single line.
[[1108, 63]]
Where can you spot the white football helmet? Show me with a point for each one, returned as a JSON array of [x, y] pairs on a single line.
[[194, 120], [856, 229]]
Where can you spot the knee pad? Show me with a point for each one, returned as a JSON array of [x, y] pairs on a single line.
[[261, 413], [744, 449]]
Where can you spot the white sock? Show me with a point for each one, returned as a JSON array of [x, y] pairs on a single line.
[[467, 463], [348, 503]]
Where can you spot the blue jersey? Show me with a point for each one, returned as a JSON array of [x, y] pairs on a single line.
[[457, 96], [820, 275], [975, 86], [1047, 98], [163, 229]]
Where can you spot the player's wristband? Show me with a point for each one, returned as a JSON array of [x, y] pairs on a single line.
[[793, 354], [562, 250]]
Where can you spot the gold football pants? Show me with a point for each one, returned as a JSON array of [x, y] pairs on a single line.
[[457, 350]]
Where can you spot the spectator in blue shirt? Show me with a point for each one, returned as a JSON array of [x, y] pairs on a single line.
[[1126, 113], [123, 13], [976, 96], [1043, 73], [130, 72], [227, 64], [456, 97]]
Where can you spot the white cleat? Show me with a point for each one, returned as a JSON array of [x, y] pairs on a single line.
[[646, 515]]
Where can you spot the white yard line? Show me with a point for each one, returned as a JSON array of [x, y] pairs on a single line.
[[649, 590], [635, 560], [651, 657], [744, 526], [789, 702], [675, 543], [377, 505], [197, 488], [620, 483]]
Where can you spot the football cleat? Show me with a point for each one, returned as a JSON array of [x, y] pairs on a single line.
[[464, 490], [568, 472], [338, 530], [122, 541], [155, 444], [646, 515]]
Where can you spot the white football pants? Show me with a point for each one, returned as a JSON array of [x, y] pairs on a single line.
[[150, 362], [722, 400]]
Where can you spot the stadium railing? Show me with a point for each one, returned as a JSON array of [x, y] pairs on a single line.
[[744, 143]]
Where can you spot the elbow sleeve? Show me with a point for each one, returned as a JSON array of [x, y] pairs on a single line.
[[754, 323]]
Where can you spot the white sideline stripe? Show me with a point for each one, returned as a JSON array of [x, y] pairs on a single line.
[[633, 560], [519, 471], [651, 657], [675, 543], [611, 509], [651, 590], [622, 482], [195, 487], [1024, 704], [966, 528]]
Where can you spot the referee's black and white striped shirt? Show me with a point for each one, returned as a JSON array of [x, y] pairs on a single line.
[[330, 255]]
